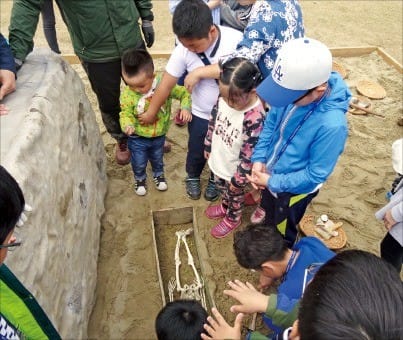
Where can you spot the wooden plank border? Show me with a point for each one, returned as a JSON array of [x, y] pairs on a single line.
[[344, 52]]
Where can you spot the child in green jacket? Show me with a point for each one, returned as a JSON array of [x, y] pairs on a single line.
[[146, 142]]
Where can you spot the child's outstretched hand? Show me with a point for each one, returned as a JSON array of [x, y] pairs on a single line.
[[251, 300], [185, 115], [129, 130], [218, 328]]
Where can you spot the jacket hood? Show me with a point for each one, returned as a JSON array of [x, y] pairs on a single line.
[[339, 96]]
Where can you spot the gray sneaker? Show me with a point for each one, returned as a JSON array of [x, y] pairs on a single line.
[[211, 194], [193, 187]]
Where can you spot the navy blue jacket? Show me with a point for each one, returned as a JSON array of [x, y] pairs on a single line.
[[6, 56]]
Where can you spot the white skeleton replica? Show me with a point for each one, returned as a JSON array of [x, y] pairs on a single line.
[[194, 290]]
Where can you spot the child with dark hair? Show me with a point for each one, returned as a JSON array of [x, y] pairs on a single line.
[[146, 142], [234, 127], [263, 249], [11, 207], [200, 43], [181, 320], [334, 308], [21, 317], [355, 295]]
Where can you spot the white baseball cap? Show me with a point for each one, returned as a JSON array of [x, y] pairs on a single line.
[[301, 65], [397, 156]]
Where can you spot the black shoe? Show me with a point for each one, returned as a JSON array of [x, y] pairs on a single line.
[[193, 187], [211, 194]]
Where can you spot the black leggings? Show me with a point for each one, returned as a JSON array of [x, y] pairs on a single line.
[[392, 251]]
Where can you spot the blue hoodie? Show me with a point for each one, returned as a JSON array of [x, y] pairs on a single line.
[[312, 154]]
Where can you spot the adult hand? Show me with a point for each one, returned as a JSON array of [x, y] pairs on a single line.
[[7, 83], [148, 32], [191, 79], [218, 328], [146, 118], [388, 220], [251, 300]]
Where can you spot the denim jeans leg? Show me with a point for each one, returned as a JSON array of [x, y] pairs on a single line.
[[138, 147], [156, 155], [195, 160]]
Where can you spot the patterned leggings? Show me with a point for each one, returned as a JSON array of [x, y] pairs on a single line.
[[232, 200]]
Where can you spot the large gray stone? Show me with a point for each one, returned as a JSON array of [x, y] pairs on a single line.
[[50, 142]]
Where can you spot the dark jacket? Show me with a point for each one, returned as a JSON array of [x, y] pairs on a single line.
[[100, 30], [6, 57]]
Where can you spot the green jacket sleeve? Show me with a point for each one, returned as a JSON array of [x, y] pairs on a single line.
[[180, 93], [126, 115], [281, 317], [23, 23], [145, 9]]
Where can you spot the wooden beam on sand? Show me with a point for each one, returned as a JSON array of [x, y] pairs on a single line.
[[344, 52], [73, 59]]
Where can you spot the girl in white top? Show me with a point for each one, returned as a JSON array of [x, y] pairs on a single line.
[[234, 127]]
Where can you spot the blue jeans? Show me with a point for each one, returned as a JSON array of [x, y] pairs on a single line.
[[195, 160], [144, 149]]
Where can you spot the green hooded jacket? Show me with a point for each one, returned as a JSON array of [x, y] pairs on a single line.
[[101, 30]]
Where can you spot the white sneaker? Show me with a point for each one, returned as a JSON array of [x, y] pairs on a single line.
[[160, 183], [140, 187]]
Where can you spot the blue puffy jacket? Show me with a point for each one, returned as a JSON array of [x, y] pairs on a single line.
[[312, 154]]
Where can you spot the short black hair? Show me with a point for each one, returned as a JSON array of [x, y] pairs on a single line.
[[181, 320], [135, 61], [12, 203], [355, 295], [257, 244], [192, 19]]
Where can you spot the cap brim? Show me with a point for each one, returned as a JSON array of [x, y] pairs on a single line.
[[276, 95]]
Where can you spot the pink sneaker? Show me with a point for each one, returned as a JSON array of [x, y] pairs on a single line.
[[258, 215], [223, 228], [215, 211]]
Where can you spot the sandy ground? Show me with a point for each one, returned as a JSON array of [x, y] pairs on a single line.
[[128, 292]]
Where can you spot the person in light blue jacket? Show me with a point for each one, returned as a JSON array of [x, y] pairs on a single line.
[[304, 132]]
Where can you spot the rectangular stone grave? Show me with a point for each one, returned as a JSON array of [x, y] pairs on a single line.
[[167, 224]]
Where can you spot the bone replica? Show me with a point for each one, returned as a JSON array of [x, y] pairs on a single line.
[[327, 228], [195, 290]]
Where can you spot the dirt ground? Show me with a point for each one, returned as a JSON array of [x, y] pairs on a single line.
[[128, 292]]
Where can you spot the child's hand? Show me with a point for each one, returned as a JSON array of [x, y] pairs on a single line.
[[192, 79], [218, 328], [251, 301], [129, 130], [258, 179], [206, 155], [185, 115], [146, 118], [388, 220]]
